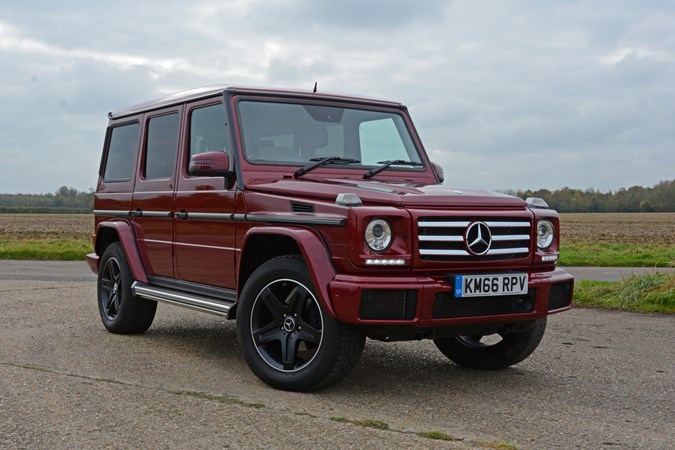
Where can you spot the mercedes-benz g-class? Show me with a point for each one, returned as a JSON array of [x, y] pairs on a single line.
[[315, 221]]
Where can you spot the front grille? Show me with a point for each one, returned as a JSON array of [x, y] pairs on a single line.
[[389, 304], [443, 238], [560, 297], [446, 306]]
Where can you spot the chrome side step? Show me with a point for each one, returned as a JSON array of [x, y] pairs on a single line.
[[184, 299]]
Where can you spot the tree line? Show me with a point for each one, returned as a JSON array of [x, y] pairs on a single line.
[[66, 200], [660, 198]]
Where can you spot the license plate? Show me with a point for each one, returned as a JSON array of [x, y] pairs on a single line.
[[490, 285]]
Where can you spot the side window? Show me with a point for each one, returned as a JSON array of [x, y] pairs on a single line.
[[208, 132], [121, 153], [381, 141], [162, 142]]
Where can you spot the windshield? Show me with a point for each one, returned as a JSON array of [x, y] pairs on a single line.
[[292, 133]]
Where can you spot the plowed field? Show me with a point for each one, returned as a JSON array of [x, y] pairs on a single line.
[[619, 228], [655, 228], [46, 226]]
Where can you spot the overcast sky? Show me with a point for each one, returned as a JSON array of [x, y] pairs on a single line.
[[505, 94]]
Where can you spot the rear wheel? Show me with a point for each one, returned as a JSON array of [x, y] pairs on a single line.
[[120, 311], [493, 351], [287, 338]]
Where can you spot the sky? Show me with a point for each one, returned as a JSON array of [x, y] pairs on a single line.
[[518, 94]]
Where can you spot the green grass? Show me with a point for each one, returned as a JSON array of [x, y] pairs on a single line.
[[379, 425], [219, 398], [366, 423], [572, 254], [48, 249], [617, 255], [645, 293], [498, 445], [437, 435]]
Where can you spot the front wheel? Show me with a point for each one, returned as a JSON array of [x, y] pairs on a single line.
[[286, 337], [493, 351]]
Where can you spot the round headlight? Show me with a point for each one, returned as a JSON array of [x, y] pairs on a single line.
[[378, 235], [545, 234]]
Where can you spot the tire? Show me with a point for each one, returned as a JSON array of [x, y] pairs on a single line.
[[474, 352], [121, 312], [286, 337]]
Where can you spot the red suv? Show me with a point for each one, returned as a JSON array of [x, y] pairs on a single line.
[[316, 221]]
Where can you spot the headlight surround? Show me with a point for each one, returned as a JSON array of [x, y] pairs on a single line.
[[545, 234], [378, 235]]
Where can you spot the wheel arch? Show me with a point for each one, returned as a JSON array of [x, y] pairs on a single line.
[[120, 231], [261, 244]]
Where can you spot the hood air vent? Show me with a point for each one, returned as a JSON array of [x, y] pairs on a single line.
[[298, 207]]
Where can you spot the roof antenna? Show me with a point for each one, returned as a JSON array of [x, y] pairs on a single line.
[[315, 84]]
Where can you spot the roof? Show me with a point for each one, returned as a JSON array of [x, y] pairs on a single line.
[[213, 91]]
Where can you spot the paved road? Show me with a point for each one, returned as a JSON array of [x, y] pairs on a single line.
[[79, 271], [45, 271], [599, 380]]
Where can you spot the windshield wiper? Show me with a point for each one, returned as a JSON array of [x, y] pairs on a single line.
[[395, 162], [322, 161]]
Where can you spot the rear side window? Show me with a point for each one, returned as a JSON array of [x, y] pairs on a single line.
[[162, 142], [121, 153]]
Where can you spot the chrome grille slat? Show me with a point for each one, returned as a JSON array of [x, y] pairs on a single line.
[[497, 251], [443, 224], [511, 237], [465, 223], [442, 238]]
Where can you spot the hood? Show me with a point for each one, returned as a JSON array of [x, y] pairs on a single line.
[[391, 194]]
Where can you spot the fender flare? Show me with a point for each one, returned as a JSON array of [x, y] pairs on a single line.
[[126, 236], [314, 251]]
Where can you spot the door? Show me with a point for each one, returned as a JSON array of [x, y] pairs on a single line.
[[205, 232], [152, 205]]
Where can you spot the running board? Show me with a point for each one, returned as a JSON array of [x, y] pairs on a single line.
[[184, 299]]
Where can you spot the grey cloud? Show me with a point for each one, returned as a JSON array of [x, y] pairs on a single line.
[[523, 94], [309, 17]]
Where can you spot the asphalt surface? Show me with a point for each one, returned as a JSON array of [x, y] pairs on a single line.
[[79, 271], [598, 380]]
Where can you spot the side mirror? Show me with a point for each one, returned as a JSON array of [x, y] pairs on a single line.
[[209, 164], [439, 171]]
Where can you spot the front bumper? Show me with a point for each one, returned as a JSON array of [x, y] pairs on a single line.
[[428, 301]]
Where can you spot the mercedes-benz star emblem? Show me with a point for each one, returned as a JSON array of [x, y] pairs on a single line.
[[289, 325], [478, 238]]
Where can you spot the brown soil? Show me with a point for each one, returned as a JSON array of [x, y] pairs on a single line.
[[46, 226], [656, 228], [638, 228]]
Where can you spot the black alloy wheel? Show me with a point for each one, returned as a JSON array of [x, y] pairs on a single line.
[[288, 339], [490, 352], [111, 280], [286, 325], [121, 311]]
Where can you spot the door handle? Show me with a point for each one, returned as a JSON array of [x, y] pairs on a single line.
[[182, 214], [136, 213]]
